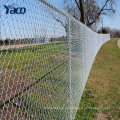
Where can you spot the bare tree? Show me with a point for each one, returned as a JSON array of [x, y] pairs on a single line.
[[89, 11]]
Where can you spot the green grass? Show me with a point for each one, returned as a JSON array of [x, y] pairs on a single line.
[[35, 59], [88, 106], [51, 95], [30, 64], [101, 97]]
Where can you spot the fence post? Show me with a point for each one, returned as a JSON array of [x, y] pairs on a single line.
[[83, 84], [70, 91]]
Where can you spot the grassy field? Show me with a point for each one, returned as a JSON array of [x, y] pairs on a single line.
[[35, 81], [42, 67], [35, 66], [101, 98]]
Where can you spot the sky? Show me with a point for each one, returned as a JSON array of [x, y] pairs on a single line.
[[112, 21], [38, 20], [35, 23]]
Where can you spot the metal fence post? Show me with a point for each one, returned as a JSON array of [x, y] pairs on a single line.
[[70, 91], [83, 58]]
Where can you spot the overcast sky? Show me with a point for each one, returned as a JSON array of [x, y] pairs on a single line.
[[112, 21]]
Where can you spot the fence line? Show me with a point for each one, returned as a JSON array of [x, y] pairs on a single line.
[[45, 58]]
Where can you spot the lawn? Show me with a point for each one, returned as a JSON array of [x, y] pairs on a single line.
[[101, 97], [34, 82], [39, 77]]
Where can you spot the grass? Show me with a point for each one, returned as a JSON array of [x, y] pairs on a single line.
[[28, 64], [49, 96], [101, 97], [34, 59]]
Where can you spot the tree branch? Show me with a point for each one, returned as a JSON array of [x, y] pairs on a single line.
[[77, 4], [58, 20], [89, 24]]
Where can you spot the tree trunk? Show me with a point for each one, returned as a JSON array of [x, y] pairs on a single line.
[[82, 19]]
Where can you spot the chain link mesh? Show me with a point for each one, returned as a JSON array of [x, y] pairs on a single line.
[[45, 59]]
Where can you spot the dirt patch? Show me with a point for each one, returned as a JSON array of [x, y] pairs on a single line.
[[5, 47], [100, 116], [10, 86], [11, 112]]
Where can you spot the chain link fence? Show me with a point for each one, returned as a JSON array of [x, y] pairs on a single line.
[[45, 59]]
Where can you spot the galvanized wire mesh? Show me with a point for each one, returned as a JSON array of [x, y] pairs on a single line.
[[45, 59]]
